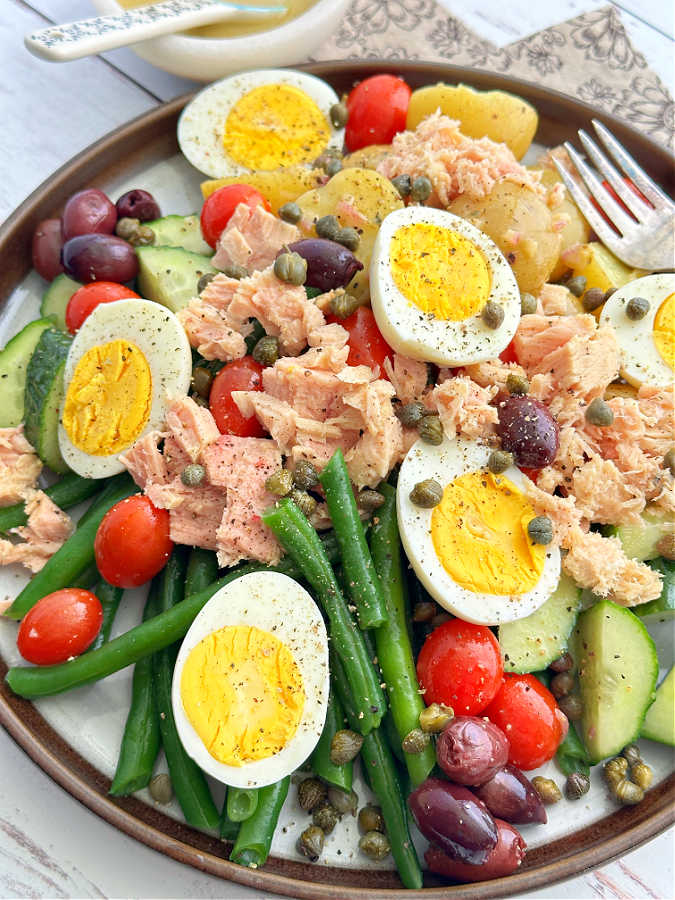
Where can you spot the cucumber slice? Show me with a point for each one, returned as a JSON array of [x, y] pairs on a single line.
[[639, 541], [13, 363], [663, 607], [617, 670], [44, 396], [55, 299], [659, 723], [532, 643], [180, 231], [169, 275]]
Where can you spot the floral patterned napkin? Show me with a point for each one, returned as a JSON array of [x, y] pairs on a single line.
[[589, 57]]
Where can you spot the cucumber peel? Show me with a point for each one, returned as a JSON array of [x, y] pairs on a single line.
[[43, 396], [659, 723], [14, 361]]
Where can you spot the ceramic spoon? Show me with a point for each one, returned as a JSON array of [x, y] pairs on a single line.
[[60, 43]]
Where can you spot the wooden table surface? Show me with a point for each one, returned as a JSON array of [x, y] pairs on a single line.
[[52, 846]]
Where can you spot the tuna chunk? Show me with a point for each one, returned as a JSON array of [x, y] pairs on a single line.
[[602, 494], [208, 326], [196, 516], [556, 300], [191, 425], [493, 373], [19, 465], [538, 335], [464, 408], [47, 529], [409, 377], [252, 238], [144, 460]]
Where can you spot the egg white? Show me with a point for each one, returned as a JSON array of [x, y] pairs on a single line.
[[201, 125], [640, 361], [445, 463], [421, 335], [158, 334], [272, 602]]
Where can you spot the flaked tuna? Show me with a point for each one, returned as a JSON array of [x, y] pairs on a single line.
[[464, 408], [539, 335], [252, 238], [47, 529], [192, 426], [409, 377], [144, 460], [19, 465]]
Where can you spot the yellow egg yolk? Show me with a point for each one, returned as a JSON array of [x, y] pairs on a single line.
[[440, 271], [664, 331], [242, 691], [109, 398], [275, 125], [479, 532]]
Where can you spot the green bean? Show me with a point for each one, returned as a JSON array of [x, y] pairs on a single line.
[[72, 559], [241, 803], [254, 839], [362, 581], [392, 641], [86, 579], [110, 597], [109, 489], [303, 545], [228, 829], [571, 754], [65, 493], [141, 738], [339, 776], [202, 570]]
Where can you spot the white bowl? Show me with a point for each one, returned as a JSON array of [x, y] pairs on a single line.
[[207, 59]]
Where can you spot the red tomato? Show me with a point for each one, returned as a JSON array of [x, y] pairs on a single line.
[[241, 375], [528, 715], [367, 347], [377, 110], [460, 665], [219, 206], [59, 626], [508, 354], [132, 543], [532, 474], [87, 298]]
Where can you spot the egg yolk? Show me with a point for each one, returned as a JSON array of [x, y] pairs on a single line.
[[109, 398], [242, 692], [275, 125], [479, 532], [664, 331], [440, 271]]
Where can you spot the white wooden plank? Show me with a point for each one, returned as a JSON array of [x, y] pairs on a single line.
[[656, 47], [660, 14]]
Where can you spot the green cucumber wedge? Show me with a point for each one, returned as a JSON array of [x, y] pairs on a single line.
[[617, 669], [169, 275], [532, 643], [180, 231], [663, 607], [43, 396], [659, 723], [14, 361], [639, 541], [55, 299]]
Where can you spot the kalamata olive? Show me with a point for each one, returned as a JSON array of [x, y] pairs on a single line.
[[99, 257], [529, 431], [455, 819], [47, 243], [88, 212], [503, 860], [470, 750], [511, 796], [329, 265], [138, 204]]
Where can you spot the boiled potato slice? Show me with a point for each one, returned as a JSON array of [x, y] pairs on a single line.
[[367, 157], [494, 114], [599, 266], [577, 230], [359, 198], [278, 186]]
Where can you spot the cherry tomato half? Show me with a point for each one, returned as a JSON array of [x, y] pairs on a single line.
[[219, 206], [132, 543], [508, 354], [241, 375], [85, 300], [460, 665], [377, 109], [59, 626], [367, 347], [528, 715]]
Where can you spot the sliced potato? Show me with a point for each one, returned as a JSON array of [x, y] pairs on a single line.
[[599, 266], [278, 186], [577, 230], [366, 157]]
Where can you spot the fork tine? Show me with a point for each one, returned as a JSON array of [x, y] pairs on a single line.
[[597, 222], [626, 162], [614, 211], [635, 204]]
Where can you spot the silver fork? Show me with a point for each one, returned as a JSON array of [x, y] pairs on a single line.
[[643, 238]]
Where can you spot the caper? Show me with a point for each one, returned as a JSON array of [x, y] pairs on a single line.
[[375, 845], [599, 412], [609, 292], [324, 159], [540, 530], [207, 278], [424, 611], [572, 706], [304, 501], [631, 753], [344, 746], [305, 475], [615, 769], [517, 384], [326, 817], [311, 793], [201, 381], [628, 793], [563, 663], [666, 546], [161, 789], [343, 305], [576, 285], [343, 801], [547, 789], [126, 227], [637, 308], [492, 314], [327, 227], [338, 115], [403, 184], [141, 235], [641, 774], [290, 212], [370, 819], [193, 475], [528, 304], [420, 189], [349, 238], [279, 483], [434, 718], [592, 299], [561, 684], [266, 350], [291, 268], [332, 166], [369, 501], [427, 493], [310, 842], [431, 430], [576, 785], [669, 460], [411, 414], [236, 271], [499, 461], [415, 741]]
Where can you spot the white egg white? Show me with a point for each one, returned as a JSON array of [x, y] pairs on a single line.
[[158, 334], [640, 361], [201, 125], [421, 335], [445, 463], [275, 603]]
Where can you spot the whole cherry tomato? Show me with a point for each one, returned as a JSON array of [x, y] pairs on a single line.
[[87, 298], [528, 715], [460, 665], [219, 206], [377, 109], [241, 375], [367, 347], [132, 543], [508, 354], [61, 625]]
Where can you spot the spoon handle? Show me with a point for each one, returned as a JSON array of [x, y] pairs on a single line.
[[60, 43]]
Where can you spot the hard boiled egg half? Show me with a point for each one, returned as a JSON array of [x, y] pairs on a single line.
[[264, 119], [646, 345], [431, 275], [125, 361], [472, 552], [250, 685]]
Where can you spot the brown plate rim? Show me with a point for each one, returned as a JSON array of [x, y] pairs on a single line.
[[596, 844]]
